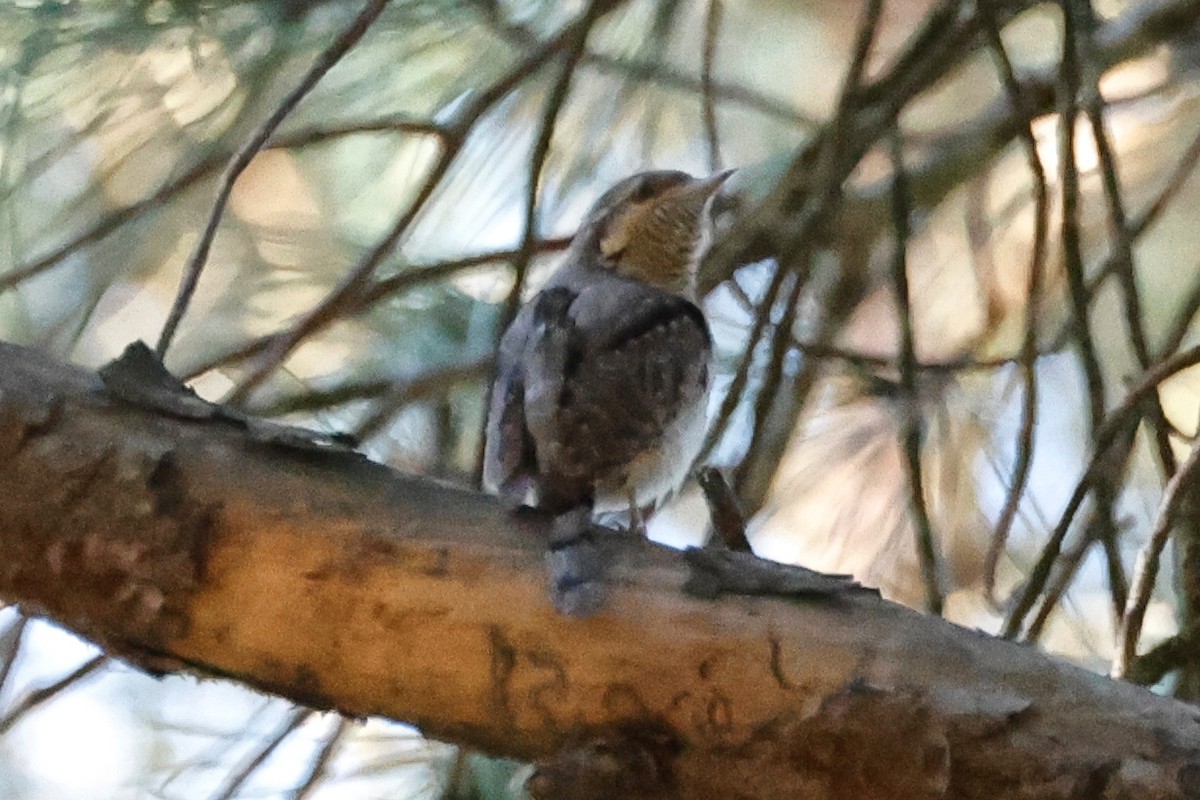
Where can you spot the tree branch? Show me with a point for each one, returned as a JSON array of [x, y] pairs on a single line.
[[188, 544]]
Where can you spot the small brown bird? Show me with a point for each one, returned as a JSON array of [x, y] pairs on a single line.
[[599, 400]]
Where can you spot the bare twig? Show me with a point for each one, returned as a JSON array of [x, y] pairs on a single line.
[[1168, 655], [380, 290], [246, 153], [1059, 581], [741, 376], [833, 163], [338, 302], [945, 39], [778, 338], [1138, 226], [395, 392], [1119, 228], [1068, 89], [1068, 110], [1111, 443], [911, 420], [1146, 572], [712, 27], [555, 101], [11, 639], [203, 169], [110, 223], [401, 393], [345, 295], [537, 162], [320, 134], [1029, 344], [238, 778], [39, 697], [1082, 45], [1106, 457], [664, 75], [728, 521], [321, 762]]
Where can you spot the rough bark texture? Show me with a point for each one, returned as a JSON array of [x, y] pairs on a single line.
[[191, 544]]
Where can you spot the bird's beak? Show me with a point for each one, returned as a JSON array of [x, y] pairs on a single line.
[[706, 187], [695, 194]]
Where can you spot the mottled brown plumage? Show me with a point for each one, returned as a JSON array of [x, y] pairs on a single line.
[[603, 376]]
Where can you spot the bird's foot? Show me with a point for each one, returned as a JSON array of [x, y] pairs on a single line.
[[577, 564], [637, 518]]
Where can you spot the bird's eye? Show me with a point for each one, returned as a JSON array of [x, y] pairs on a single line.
[[643, 192]]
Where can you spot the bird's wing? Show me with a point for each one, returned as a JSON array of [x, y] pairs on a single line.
[[589, 378], [509, 464], [606, 372]]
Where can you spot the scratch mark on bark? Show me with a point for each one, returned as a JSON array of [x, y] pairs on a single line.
[[777, 664], [554, 687], [503, 662], [720, 714]]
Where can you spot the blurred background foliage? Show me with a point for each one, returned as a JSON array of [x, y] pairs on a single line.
[[370, 253]]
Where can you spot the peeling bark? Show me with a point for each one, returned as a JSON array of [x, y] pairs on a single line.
[[189, 544]]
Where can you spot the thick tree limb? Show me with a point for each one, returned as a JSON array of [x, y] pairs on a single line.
[[189, 544]]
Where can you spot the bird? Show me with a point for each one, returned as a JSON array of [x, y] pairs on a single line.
[[600, 397]]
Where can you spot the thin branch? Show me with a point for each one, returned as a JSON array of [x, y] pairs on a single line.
[[403, 392], [664, 75], [1191, 303], [1171, 654], [1033, 292], [911, 420], [1119, 228], [946, 39], [741, 376], [1138, 227], [537, 162], [10, 645], [1068, 564], [964, 364], [204, 168], [395, 392], [382, 289], [39, 697], [1068, 89], [1111, 442], [832, 165], [1080, 27], [109, 224], [1113, 452], [238, 778], [345, 41], [712, 27], [320, 134], [321, 762], [724, 511], [541, 150], [344, 296], [1073, 256], [778, 340], [1146, 571]]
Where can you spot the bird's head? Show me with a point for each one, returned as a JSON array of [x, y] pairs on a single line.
[[653, 226]]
